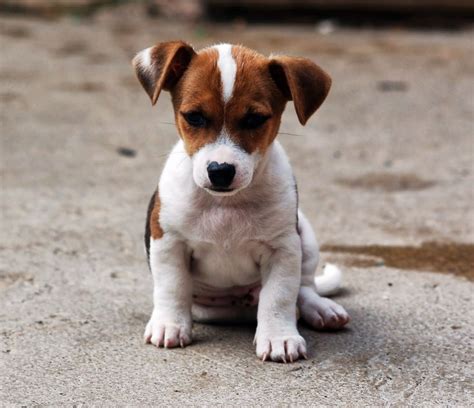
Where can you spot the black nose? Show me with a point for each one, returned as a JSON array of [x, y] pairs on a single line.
[[221, 174]]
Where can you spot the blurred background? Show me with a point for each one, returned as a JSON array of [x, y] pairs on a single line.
[[385, 174], [397, 124], [373, 12]]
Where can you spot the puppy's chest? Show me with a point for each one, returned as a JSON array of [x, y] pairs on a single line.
[[229, 227], [227, 246], [217, 266]]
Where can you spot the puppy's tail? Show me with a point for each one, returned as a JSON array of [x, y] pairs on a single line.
[[330, 281]]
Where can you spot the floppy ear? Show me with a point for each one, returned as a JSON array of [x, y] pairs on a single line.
[[303, 82], [161, 66]]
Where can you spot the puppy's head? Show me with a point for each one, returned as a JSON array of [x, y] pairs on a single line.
[[228, 101]]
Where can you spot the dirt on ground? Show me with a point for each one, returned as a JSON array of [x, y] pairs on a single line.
[[433, 256], [385, 175]]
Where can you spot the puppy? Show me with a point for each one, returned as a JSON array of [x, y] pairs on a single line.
[[224, 236]]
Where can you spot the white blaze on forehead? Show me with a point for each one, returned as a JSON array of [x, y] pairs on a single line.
[[228, 68]]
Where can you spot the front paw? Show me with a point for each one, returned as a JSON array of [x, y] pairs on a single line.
[[167, 332], [280, 347]]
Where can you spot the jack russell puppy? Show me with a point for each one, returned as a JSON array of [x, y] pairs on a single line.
[[224, 236]]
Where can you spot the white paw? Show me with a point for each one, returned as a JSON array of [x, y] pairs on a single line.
[[323, 313], [167, 334], [283, 348]]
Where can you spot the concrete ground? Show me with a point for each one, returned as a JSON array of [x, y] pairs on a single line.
[[385, 172]]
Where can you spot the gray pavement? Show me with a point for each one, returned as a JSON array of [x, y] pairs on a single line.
[[387, 161]]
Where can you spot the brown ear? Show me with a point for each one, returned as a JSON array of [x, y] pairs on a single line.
[[161, 66], [303, 82]]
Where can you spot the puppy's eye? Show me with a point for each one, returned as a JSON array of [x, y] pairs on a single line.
[[253, 121], [195, 119]]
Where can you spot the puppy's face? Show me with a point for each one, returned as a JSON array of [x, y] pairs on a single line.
[[228, 111], [228, 102]]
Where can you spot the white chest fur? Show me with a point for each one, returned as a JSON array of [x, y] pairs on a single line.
[[228, 237], [220, 267]]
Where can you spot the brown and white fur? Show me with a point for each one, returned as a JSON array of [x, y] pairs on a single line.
[[246, 250]]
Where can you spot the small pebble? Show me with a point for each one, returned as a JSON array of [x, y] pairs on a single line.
[[126, 152], [326, 27], [390, 86]]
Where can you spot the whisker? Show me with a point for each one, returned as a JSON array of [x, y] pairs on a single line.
[[166, 123], [168, 154], [290, 134]]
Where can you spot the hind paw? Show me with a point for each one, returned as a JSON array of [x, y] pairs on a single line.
[[322, 313]]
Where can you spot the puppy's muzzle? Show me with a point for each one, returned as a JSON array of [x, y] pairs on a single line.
[[221, 175]]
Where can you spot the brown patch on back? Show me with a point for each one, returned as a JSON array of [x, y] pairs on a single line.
[[152, 225], [155, 228]]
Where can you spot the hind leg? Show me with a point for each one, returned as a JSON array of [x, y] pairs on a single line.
[[319, 312]]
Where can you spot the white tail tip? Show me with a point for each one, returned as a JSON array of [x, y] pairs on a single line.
[[330, 281]]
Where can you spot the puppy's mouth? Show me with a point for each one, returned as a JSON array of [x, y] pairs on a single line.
[[218, 191], [221, 190]]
